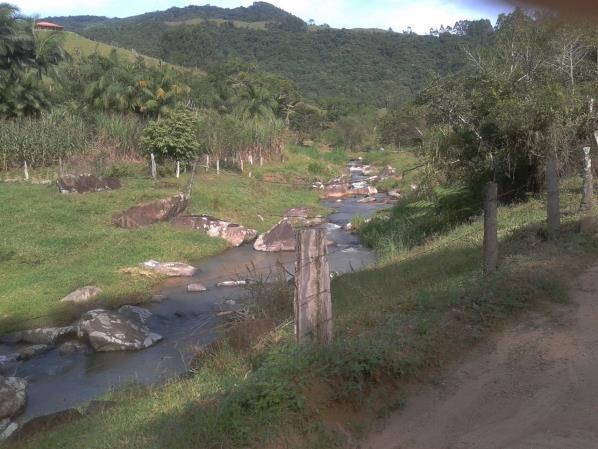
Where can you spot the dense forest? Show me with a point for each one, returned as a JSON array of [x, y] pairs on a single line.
[[359, 67]]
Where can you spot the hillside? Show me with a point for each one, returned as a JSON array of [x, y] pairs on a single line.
[[77, 45], [361, 67], [258, 12]]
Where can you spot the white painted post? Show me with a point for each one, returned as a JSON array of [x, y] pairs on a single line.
[[217, 166], [154, 169], [25, 171], [312, 301], [241, 164], [178, 169], [587, 195], [207, 162]]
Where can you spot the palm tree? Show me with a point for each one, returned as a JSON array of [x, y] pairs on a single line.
[[17, 47]]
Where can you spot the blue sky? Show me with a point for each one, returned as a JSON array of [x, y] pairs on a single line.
[[420, 15]]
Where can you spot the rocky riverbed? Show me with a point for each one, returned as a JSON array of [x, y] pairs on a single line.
[[46, 371]]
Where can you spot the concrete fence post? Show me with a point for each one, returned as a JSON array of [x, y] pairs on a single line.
[[587, 193], [490, 228], [154, 170], [312, 302]]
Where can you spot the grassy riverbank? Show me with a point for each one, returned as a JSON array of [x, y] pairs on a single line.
[[52, 244], [395, 323]]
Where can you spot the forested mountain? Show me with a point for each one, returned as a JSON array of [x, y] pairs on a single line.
[[359, 67], [258, 12]]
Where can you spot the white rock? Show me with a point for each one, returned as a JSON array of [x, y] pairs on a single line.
[[82, 295], [112, 331], [171, 269]]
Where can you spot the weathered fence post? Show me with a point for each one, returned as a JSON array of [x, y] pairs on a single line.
[[154, 170], [178, 169], [553, 213], [207, 162], [217, 166], [241, 158], [25, 171], [587, 193], [312, 302], [189, 190], [490, 228]]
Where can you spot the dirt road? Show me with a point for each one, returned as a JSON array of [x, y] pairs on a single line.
[[533, 386]]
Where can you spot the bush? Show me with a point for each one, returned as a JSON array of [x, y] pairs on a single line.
[[173, 137], [42, 141]]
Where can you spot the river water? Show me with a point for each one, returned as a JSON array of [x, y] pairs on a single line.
[[185, 320]]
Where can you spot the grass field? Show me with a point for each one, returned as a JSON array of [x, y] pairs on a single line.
[[52, 244], [394, 323]]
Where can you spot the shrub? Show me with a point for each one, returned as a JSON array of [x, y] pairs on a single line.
[[173, 137]]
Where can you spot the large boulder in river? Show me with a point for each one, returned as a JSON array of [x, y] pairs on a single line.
[[170, 269], [152, 212], [281, 237], [235, 234], [86, 183], [82, 295], [13, 396], [113, 331]]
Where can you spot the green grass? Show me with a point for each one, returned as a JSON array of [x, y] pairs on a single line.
[[52, 244], [395, 323], [79, 46]]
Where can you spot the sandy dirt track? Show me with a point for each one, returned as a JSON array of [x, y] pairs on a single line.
[[533, 386]]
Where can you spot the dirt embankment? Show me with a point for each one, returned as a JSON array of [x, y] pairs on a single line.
[[533, 386]]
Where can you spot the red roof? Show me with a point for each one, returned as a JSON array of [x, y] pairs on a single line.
[[49, 25]]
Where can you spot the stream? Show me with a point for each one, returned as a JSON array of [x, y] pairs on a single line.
[[185, 320]]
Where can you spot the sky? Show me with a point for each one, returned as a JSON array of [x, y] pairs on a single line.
[[420, 15]]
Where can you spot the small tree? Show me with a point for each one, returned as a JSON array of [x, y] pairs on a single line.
[[173, 137]]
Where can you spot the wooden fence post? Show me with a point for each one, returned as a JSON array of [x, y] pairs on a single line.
[[217, 166], [178, 169], [207, 162], [25, 171], [587, 193], [553, 213], [490, 228], [312, 302], [154, 170]]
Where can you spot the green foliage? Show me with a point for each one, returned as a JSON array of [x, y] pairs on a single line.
[[515, 102], [362, 67], [25, 58], [415, 219], [42, 140], [172, 137]]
